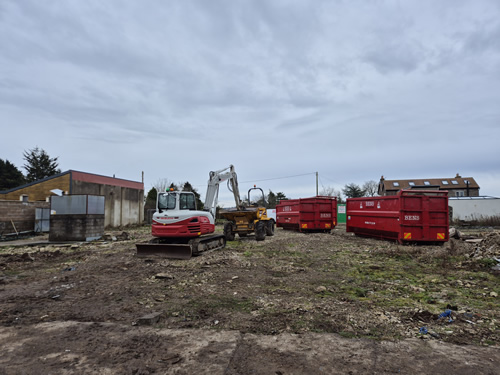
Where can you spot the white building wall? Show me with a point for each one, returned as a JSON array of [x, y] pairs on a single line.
[[473, 208]]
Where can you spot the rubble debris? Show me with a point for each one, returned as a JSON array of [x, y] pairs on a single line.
[[148, 320], [455, 233], [123, 236], [446, 314], [163, 276], [489, 247]]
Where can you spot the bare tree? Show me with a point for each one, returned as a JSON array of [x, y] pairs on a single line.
[[329, 191], [162, 184], [370, 188]]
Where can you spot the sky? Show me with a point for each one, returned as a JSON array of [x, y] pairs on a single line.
[[281, 89]]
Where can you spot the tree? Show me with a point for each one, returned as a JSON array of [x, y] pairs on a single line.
[[10, 176], [161, 185], [353, 191], [39, 165], [151, 198], [271, 200], [280, 196], [370, 188], [329, 191]]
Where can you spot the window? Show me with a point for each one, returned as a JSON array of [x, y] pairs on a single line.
[[187, 201], [427, 183], [459, 193], [466, 182], [454, 182], [166, 201], [395, 183], [411, 183], [444, 182]]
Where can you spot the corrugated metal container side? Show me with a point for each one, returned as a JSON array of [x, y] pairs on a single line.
[[409, 216], [307, 214]]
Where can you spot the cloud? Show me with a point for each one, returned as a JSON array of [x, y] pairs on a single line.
[[352, 89]]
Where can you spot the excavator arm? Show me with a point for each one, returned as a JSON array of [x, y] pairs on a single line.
[[215, 178]]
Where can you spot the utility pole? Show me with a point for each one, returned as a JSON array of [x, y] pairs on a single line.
[[316, 183]]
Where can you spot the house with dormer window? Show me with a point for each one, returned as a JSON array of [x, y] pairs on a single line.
[[457, 186]]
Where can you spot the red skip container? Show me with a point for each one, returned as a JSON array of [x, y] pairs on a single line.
[[409, 216], [307, 214]]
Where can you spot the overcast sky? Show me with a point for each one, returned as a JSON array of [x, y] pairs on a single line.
[[350, 89]]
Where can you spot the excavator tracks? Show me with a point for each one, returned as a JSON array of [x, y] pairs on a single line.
[[187, 250]]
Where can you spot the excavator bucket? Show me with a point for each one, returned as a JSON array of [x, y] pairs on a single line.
[[172, 251]]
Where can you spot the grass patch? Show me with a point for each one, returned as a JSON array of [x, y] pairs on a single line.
[[487, 262]]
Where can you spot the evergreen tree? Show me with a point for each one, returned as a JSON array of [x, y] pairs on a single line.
[[271, 200], [151, 198], [10, 176], [280, 196], [353, 191], [39, 165]]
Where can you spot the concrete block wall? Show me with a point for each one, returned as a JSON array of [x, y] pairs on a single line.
[[123, 206], [76, 227], [22, 215]]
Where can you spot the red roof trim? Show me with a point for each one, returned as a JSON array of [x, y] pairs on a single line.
[[104, 180]]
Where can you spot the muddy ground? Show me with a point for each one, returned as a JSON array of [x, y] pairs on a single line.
[[292, 304]]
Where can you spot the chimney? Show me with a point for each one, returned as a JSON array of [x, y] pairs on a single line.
[[458, 176]]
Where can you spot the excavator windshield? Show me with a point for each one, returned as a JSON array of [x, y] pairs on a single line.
[[166, 201]]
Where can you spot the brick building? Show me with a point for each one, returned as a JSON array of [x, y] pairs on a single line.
[[457, 186]]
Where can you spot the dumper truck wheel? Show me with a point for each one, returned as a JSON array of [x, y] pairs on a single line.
[[228, 231], [260, 231], [270, 228]]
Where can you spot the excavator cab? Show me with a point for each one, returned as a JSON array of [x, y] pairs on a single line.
[[169, 200]]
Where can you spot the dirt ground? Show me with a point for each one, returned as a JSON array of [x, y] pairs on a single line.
[[292, 304]]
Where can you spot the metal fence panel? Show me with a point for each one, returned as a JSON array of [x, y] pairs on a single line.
[[69, 205], [42, 220], [95, 205], [77, 205]]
